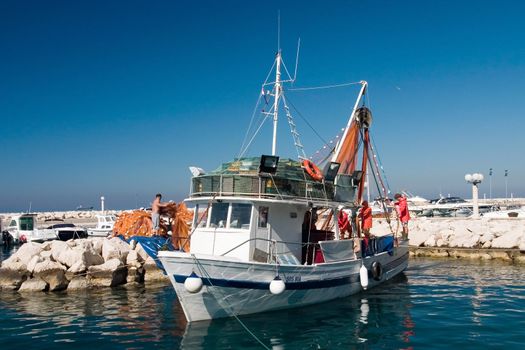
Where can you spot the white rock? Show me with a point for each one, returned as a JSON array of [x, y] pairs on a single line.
[[46, 254], [431, 241], [26, 252], [133, 259], [35, 260], [141, 252], [34, 285], [109, 274], [78, 283], [97, 245], [77, 268], [53, 273], [508, 240], [152, 273], [12, 275], [115, 248], [46, 245]]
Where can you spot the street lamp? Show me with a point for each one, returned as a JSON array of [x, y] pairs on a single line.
[[490, 183], [474, 179], [506, 184]]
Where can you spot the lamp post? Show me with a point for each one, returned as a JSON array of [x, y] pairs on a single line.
[[506, 183], [474, 179], [490, 183]]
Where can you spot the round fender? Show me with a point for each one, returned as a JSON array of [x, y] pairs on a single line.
[[377, 270]]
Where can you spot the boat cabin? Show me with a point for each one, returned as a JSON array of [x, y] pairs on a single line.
[[22, 226], [251, 215]]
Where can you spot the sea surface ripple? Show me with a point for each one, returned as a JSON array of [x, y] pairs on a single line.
[[435, 304]]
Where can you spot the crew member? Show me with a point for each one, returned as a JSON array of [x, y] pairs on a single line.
[[344, 224], [155, 212], [403, 213], [365, 214]]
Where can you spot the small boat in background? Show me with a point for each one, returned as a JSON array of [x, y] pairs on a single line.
[[105, 224], [22, 228], [66, 231]]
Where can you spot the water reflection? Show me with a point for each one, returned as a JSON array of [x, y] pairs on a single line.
[[435, 304], [382, 314]]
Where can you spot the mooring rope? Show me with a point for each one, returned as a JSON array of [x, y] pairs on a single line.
[[208, 277]]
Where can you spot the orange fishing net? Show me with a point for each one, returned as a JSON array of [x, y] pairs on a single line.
[[174, 216]]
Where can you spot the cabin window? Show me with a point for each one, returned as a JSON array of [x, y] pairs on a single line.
[[13, 223], [263, 217], [201, 215], [219, 215], [26, 224], [240, 216]]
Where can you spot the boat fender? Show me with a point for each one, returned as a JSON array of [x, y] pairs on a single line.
[[193, 283], [363, 275], [277, 286], [377, 270], [313, 170]]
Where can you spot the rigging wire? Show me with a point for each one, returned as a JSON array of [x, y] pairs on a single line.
[[380, 163], [306, 121], [255, 110], [324, 86], [241, 154], [251, 121]]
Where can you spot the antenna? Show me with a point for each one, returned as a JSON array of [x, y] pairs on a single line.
[[278, 30], [297, 59]]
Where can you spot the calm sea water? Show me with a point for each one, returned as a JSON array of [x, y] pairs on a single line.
[[435, 304]]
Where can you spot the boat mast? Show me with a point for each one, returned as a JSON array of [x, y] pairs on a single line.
[[364, 84], [276, 101]]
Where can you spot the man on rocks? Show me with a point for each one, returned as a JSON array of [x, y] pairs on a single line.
[[155, 212], [403, 213]]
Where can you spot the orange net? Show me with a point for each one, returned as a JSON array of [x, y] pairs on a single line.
[[174, 216]]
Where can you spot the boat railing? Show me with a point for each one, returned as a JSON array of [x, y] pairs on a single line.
[[372, 246], [262, 186]]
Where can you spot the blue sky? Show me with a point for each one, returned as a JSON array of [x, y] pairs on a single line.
[[118, 98]]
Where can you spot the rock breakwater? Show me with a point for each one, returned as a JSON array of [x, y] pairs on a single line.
[[485, 238], [77, 264]]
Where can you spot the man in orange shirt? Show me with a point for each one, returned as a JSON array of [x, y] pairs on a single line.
[[344, 224], [365, 214], [403, 213]]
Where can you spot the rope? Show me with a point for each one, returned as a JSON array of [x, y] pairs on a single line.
[[208, 277]]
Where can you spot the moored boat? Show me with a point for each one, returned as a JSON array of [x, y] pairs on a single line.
[[265, 231]]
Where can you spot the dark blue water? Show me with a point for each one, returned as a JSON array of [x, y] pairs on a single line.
[[436, 304]]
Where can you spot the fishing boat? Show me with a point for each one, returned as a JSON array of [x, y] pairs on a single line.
[[265, 233]]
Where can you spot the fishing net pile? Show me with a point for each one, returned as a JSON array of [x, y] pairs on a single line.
[[174, 217]]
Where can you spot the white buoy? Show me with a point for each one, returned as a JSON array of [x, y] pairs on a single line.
[[277, 286], [363, 274], [193, 283]]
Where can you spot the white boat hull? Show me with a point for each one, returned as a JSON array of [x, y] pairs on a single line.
[[93, 232], [238, 288]]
